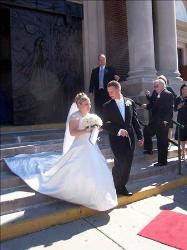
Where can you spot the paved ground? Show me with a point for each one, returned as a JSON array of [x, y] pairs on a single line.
[[107, 231]]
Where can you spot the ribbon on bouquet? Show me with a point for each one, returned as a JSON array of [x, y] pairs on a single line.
[[94, 135]]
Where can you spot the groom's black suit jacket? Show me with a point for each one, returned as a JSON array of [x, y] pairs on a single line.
[[113, 122], [122, 147]]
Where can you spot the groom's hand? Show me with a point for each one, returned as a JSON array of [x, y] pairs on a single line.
[[123, 133]]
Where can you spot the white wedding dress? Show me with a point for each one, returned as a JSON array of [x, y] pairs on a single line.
[[79, 176]]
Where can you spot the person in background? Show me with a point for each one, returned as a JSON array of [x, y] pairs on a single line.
[[181, 107], [100, 76], [162, 113], [151, 98]]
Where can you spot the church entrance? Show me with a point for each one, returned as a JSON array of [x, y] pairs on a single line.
[[6, 101], [41, 60]]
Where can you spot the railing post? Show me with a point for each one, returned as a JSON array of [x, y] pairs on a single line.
[[179, 149]]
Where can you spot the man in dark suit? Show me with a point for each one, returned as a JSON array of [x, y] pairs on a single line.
[[161, 108], [120, 121], [151, 98], [100, 76]]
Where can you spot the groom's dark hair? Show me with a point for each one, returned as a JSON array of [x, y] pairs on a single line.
[[114, 84]]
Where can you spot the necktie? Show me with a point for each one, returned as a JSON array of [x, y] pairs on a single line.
[[101, 77]]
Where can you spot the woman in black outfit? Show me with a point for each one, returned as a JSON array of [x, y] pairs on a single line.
[[181, 107]]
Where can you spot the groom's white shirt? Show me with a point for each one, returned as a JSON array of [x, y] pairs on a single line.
[[121, 106]]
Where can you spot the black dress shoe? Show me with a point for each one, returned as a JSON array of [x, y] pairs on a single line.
[[125, 192], [160, 164], [148, 152]]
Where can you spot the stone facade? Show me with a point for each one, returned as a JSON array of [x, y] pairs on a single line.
[[182, 46], [148, 38], [148, 42], [44, 60], [134, 35]]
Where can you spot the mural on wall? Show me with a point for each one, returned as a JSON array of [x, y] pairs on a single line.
[[47, 66]]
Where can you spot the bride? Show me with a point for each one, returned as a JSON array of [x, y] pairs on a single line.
[[80, 175]]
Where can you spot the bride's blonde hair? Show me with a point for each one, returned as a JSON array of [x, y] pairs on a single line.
[[81, 97]]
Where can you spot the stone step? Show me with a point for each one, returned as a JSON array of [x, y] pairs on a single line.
[[25, 138], [57, 147], [29, 148], [28, 128], [21, 198], [10, 182], [146, 168], [15, 139], [37, 218], [9, 150], [142, 165]]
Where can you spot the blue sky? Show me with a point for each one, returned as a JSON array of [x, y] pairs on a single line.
[[181, 11]]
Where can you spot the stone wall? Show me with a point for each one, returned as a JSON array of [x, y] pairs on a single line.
[[116, 36]]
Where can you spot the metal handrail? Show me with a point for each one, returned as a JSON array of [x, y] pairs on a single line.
[[179, 127]]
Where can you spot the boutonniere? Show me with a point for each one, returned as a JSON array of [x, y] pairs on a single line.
[[128, 103]]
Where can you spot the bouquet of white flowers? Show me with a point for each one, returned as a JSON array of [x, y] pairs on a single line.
[[92, 121]]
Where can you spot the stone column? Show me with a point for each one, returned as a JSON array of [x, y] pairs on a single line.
[[166, 39], [141, 46], [93, 36]]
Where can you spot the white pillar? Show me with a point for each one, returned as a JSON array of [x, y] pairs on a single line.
[[141, 45], [93, 36], [166, 39]]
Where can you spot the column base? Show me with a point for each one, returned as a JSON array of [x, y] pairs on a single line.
[[144, 72], [170, 74], [175, 85], [137, 85], [134, 88], [174, 81]]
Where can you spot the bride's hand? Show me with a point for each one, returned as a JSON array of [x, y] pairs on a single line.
[[100, 129], [88, 129]]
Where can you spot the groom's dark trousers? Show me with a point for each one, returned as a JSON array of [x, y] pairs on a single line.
[[122, 147]]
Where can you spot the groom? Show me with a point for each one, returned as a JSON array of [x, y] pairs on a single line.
[[119, 120]]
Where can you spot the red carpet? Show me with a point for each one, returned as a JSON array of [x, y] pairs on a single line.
[[169, 228]]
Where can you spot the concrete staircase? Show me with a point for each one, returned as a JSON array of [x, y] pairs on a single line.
[[24, 211]]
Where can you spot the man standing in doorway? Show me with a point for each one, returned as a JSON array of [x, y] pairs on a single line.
[[100, 76]]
